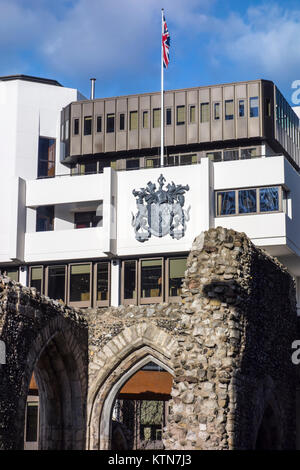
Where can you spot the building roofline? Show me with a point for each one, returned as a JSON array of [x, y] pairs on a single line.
[[29, 78]]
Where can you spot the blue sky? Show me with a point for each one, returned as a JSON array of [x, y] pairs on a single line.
[[118, 42]]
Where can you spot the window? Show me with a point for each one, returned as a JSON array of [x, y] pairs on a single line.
[[247, 201], [230, 155], [87, 168], [99, 124], [228, 110], [145, 123], [168, 116], [242, 108], [214, 156], [254, 106], [156, 117], [129, 281], [56, 285], [188, 159], [152, 162], [67, 130], [36, 278], [180, 115], [9, 271], [132, 164], [44, 218], [172, 160], [122, 122], [269, 199], [216, 111], [133, 120], [192, 114], [46, 157], [110, 123], [102, 283], [87, 219], [204, 112], [151, 279], [31, 433], [80, 284], [87, 125], [268, 107], [76, 126], [248, 153], [225, 202], [177, 267]]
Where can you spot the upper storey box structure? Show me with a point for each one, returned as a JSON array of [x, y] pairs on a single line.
[[195, 119]]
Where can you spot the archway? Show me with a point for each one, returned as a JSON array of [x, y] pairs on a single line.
[[140, 409]]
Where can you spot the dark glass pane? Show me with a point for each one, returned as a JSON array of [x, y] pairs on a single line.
[[254, 106], [87, 125], [46, 157], [89, 168], [36, 276], [269, 199], [247, 201], [99, 123], [151, 278], [217, 111], [76, 126], [132, 164], [241, 108], [44, 218], [80, 283], [152, 163], [129, 280], [228, 110], [168, 116], [32, 422], [56, 282], [248, 153], [214, 156], [230, 155], [86, 219], [102, 281], [110, 123], [188, 159], [226, 202], [122, 122], [177, 268]]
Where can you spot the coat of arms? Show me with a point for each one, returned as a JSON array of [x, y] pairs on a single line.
[[160, 211]]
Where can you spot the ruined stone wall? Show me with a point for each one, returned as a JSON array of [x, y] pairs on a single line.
[[49, 338]]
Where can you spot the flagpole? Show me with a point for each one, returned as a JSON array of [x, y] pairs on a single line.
[[162, 96]]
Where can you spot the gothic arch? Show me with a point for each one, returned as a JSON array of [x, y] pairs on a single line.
[[153, 344]]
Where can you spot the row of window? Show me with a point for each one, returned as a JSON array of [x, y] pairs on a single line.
[[250, 201], [85, 284], [181, 117], [287, 118]]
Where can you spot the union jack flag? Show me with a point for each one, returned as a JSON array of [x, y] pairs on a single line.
[[165, 43]]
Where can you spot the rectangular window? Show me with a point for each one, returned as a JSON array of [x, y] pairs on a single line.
[[268, 199], [172, 160], [254, 106], [192, 114], [110, 123], [151, 279], [87, 219], [12, 273], [156, 117], [226, 202], [247, 201], [132, 164], [133, 120], [145, 120], [122, 122], [216, 111], [87, 168], [152, 162], [242, 108], [80, 284], [99, 124], [214, 156], [44, 218], [204, 112], [188, 159], [129, 279], [102, 283], [228, 110], [67, 130], [177, 267], [56, 282], [46, 157], [268, 107], [168, 116], [36, 278], [229, 155], [76, 126], [180, 115], [87, 125], [31, 434], [248, 153]]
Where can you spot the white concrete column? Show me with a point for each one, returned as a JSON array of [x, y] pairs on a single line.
[[115, 282]]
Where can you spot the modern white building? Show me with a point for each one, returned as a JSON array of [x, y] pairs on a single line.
[[90, 218]]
